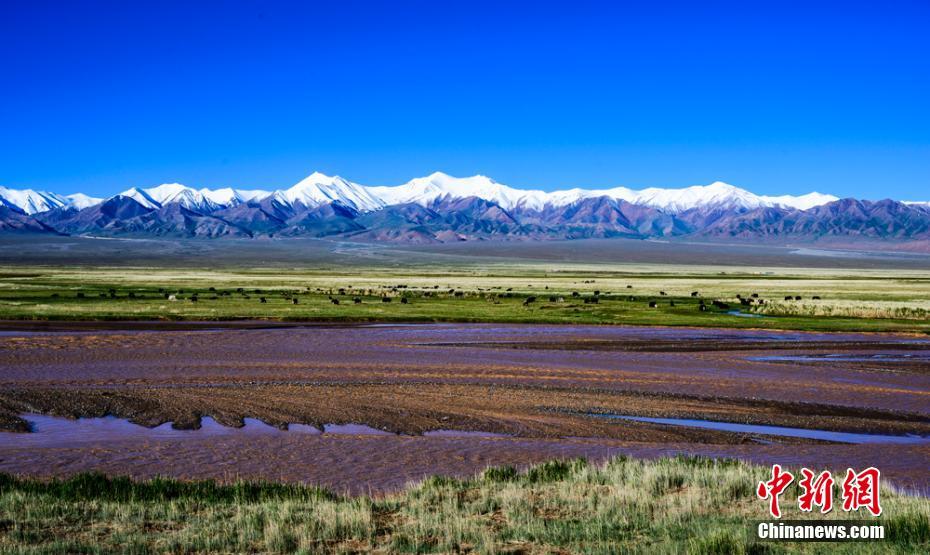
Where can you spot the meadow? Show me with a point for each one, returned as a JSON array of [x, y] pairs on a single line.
[[671, 505], [642, 294]]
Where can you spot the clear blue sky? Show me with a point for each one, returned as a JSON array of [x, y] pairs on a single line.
[[777, 97]]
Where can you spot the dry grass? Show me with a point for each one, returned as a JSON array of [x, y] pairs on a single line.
[[664, 506]]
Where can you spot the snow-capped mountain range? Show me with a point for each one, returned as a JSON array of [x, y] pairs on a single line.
[[318, 189], [442, 208]]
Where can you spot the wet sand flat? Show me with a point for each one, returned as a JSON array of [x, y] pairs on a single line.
[[539, 385]]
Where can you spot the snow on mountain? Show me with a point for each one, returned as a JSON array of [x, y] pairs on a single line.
[[141, 196], [29, 201], [81, 201], [232, 197], [205, 200], [803, 202], [424, 190], [317, 189]]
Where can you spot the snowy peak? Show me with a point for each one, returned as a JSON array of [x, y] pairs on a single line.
[[803, 202], [318, 188], [80, 201], [424, 190], [30, 202]]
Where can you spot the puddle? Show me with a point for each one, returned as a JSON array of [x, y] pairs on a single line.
[[461, 433], [741, 314], [878, 357], [354, 429], [53, 431], [840, 437]]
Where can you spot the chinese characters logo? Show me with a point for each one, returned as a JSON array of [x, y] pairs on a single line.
[[859, 490]]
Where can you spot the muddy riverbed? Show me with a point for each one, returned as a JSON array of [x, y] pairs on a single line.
[[450, 398]]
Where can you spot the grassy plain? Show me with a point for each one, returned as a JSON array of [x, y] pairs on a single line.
[[678, 505], [849, 300]]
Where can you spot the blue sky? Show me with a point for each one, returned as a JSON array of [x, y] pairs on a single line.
[[777, 97]]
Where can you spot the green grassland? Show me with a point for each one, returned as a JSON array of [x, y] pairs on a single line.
[[676, 505], [849, 300]]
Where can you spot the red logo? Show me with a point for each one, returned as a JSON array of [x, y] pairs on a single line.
[[774, 488], [816, 491], [859, 490]]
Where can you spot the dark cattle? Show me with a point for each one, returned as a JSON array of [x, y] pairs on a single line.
[[591, 300], [334, 301], [80, 295], [263, 299], [652, 304], [294, 300], [738, 296], [385, 299], [662, 293], [702, 307], [551, 299], [575, 294], [193, 298], [213, 289], [789, 298], [797, 298], [755, 295], [403, 300], [596, 293], [694, 293], [529, 300], [816, 298], [629, 286], [357, 300], [671, 303], [631, 298], [459, 293]]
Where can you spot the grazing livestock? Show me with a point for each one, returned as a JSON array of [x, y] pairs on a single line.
[[653, 304], [403, 300], [596, 293], [789, 298], [694, 293], [629, 286], [816, 298], [797, 298], [591, 300], [80, 295], [334, 301], [529, 300], [662, 293], [262, 300], [551, 299], [755, 295], [671, 303], [631, 298], [576, 294], [385, 299], [294, 300], [702, 307]]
